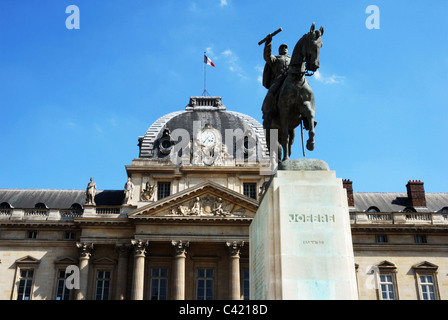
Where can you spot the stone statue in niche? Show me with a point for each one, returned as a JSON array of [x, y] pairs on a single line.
[[147, 194]]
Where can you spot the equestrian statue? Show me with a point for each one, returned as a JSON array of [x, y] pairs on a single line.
[[289, 101]]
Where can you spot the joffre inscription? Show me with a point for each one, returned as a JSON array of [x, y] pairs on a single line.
[[322, 218]]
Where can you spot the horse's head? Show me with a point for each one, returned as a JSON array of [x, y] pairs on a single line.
[[311, 48]]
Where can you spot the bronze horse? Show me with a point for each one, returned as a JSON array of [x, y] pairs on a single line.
[[295, 102]]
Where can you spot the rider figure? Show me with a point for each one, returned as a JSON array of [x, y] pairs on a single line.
[[275, 72]]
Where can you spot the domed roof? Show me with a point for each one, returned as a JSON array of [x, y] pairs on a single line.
[[204, 112]]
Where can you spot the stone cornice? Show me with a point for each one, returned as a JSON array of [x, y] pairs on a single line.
[[41, 224], [146, 165], [193, 220], [400, 247], [111, 222], [400, 228]]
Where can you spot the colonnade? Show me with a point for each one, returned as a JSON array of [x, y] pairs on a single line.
[[140, 249]]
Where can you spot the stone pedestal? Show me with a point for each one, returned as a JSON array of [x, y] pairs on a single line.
[[300, 239]]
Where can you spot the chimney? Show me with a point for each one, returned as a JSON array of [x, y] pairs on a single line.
[[348, 185], [416, 193]]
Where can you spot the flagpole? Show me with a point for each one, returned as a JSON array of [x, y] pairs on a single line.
[[205, 77]]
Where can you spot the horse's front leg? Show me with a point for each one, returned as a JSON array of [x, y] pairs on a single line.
[[309, 114], [284, 139], [291, 136]]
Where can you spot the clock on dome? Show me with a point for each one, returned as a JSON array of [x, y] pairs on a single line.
[[208, 138]]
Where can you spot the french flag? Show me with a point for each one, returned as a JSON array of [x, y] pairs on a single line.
[[208, 61]]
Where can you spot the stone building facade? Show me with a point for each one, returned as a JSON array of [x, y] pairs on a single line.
[[179, 229]]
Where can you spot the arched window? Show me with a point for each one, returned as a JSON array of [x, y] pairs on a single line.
[[409, 210], [444, 210], [373, 209], [40, 205], [75, 206], [5, 205]]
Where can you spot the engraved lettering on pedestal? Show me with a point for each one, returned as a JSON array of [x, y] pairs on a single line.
[[310, 218]]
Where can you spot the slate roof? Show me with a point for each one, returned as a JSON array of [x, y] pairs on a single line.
[[57, 199], [397, 202], [64, 199]]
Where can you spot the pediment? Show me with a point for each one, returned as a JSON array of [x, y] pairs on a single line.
[[104, 260], [386, 265], [27, 260], [207, 199], [425, 265], [66, 260]]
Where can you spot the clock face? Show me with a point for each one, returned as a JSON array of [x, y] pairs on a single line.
[[208, 138]]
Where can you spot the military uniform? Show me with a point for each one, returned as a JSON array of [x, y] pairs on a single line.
[[275, 72]]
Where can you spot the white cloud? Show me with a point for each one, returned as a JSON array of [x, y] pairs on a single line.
[[223, 3], [227, 53], [232, 61], [259, 69], [333, 79]]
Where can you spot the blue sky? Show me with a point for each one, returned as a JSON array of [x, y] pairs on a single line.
[[74, 102]]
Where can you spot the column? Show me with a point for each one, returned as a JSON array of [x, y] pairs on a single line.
[[180, 251], [123, 252], [84, 257], [138, 278], [234, 281]]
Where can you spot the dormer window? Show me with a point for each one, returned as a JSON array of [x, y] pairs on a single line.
[[40, 205], [75, 206], [373, 209], [6, 205]]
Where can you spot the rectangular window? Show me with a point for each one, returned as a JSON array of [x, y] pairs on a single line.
[[246, 284], [31, 234], [204, 284], [62, 292], [381, 238], [428, 289], [250, 190], [387, 287], [69, 235], [159, 283], [420, 238], [25, 284], [102, 285], [163, 190]]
